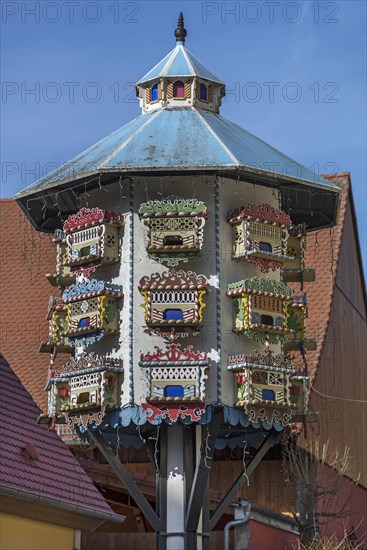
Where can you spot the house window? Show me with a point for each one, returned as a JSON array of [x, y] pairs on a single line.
[[178, 89], [268, 395], [203, 92], [173, 315], [154, 93], [173, 391], [265, 247]]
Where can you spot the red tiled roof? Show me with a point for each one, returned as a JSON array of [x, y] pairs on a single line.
[[322, 253], [56, 474], [26, 255]]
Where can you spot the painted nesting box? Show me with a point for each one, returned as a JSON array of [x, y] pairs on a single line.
[[260, 235], [63, 276], [92, 309], [298, 396], [173, 299], [261, 309], [92, 237], [294, 267], [57, 318], [175, 375], [89, 382], [265, 386], [174, 229], [296, 321]]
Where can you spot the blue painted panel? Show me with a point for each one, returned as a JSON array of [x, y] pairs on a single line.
[[154, 93], [268, 395], [203, 92], [173, 315], [173, 391]]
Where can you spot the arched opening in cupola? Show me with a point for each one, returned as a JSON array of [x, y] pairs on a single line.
[[154, 92], [203, 92], [179, 89]]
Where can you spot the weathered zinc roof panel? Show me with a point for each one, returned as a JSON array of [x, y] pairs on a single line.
[[176, 137], [254, 152], [92, 158], [178, 65], [179, 62], [156, 71]]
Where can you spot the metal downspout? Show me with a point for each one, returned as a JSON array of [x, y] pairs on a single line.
[[235, 523]]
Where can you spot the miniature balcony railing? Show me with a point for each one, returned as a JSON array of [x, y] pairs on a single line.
[[260, 235], [174, 229], [261, 309], [85, 384], [173, 299], [294, 267], [175, 375]]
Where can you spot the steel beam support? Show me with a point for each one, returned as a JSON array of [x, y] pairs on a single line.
[[126, 480], [201, 473], [272, 439]]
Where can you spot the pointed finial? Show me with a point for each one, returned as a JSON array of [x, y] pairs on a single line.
[[180, 32]]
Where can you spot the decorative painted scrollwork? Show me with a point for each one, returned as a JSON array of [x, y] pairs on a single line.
[[263, 213], [87, 217]]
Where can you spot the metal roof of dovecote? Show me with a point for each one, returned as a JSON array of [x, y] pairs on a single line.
[[183, 139]]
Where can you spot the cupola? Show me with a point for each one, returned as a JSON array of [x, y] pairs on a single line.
[[180, 80]]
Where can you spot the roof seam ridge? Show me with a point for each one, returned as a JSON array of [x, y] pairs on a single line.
[[221, 143], [127, 141], [169, 62], [188, 62]]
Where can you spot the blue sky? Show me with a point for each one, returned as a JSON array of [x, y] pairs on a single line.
[[295, 75]]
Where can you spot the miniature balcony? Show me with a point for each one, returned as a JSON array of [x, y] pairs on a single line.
[[260, 235], [88, 383], [175, 376], [260, 306], [92, 237], [173, 299], [267, 387], [174, 229], [91, 308]]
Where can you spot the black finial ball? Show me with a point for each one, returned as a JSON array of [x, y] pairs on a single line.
[[180, 32]]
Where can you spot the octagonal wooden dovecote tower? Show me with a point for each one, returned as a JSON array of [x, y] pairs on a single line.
[[173, 259]]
